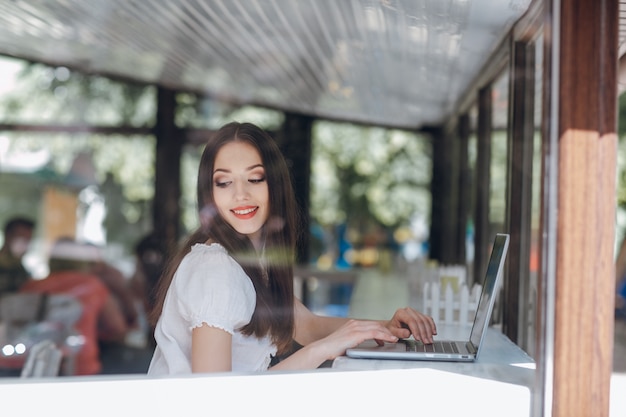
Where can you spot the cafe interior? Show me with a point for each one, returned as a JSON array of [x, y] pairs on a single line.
[[509, 107]]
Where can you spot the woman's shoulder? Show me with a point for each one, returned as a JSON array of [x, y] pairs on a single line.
[[208, 275], [210, 260], [207, 252], [208, 247]]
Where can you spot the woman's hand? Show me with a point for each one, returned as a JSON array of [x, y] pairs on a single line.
[[326, 338], [349, 334], [406, 322]]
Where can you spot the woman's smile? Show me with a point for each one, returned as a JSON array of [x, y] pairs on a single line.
[[245, 212]]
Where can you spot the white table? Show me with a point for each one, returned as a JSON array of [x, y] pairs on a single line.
[[498, 384], [503, 371], [492, 387], [499, 359]]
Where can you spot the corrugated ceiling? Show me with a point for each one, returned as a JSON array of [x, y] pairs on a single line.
[[398, 63]]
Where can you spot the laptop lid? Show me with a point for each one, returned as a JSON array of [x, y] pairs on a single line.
[[488, 294]]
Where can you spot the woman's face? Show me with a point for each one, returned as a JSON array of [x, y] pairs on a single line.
[[240, 189], [19, 241]]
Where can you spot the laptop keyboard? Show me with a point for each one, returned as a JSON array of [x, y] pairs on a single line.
[[439, 347]]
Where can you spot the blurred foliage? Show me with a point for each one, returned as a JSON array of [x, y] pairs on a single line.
[[621, 172], [385, 182], [621, 116], [498, 186], [123, 165], [45, 94], [621, 153], [194, 111]]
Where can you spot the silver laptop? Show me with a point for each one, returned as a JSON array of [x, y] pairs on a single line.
[[448, 350]]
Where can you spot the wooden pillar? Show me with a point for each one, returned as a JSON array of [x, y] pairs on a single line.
[[464, 181], [584, 42], [519, 190], [483, 180], [169, 144], [295, 141], [443, 198]]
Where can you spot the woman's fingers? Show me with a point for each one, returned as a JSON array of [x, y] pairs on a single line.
[[422, 327], [362, 330]]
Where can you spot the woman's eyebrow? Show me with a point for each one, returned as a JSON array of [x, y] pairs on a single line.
[[250, 168]]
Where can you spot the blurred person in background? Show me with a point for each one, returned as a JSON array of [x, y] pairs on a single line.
[[116, 283], [149, 263], [102, 318], [18, 233]]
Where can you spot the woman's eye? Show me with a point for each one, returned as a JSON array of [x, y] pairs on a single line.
[[222, 184], [257, 180]]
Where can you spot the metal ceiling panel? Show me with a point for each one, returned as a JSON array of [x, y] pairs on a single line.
[[402, 63]]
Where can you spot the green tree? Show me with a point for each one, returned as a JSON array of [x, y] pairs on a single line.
[[58, 96], [383, 183], [124, 165], [621, 155]]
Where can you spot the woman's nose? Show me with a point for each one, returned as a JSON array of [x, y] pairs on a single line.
[[241, 189]]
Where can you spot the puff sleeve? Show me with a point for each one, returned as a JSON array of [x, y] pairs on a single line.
[[212, 288]]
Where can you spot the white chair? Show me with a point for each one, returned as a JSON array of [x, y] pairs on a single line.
[[30, 318], [20, 309], [44, 360]]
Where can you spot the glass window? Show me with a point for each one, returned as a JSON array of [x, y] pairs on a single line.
[[499, 154]]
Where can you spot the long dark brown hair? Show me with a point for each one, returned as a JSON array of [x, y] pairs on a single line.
[[274, 312]]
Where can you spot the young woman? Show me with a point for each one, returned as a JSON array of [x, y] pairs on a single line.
[[226, 301]]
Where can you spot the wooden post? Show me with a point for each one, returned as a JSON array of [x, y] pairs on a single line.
[[444, 198], [295, 141], [464, 184], [169, 144], [585, 38], [520, 192], [483, 180]]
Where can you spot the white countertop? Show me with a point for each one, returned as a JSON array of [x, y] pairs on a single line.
[[498, 384], [499, 360], [377, 296]]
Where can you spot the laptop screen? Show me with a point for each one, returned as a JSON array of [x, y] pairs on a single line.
[[494, 271]]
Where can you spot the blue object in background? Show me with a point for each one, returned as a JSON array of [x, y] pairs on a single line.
[[343, 247]]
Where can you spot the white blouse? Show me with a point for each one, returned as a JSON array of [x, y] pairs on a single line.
[[208, 287]]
